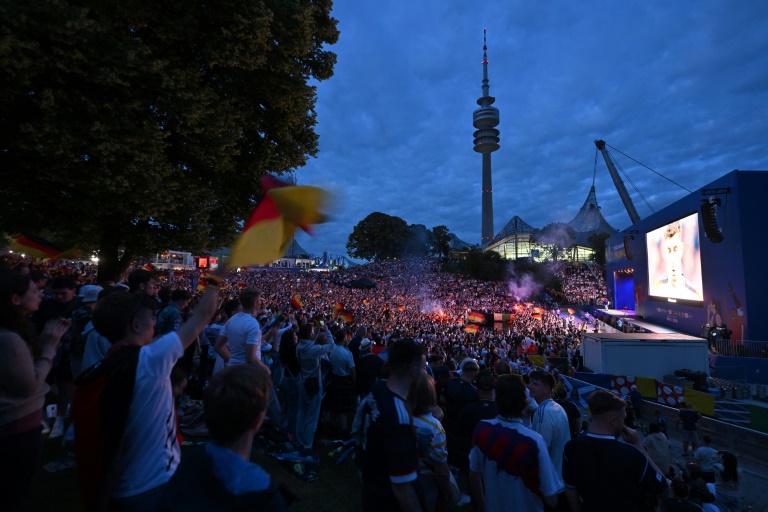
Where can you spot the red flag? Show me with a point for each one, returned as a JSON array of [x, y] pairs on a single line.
[[149, 267]]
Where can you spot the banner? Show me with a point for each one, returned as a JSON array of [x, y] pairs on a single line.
[[700, 401], [669, 395]]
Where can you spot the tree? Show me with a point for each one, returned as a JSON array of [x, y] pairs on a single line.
[[141, 127], [378, 236], [597, 242], [440, 240], [554, 238], [418, 241], [484, 265]]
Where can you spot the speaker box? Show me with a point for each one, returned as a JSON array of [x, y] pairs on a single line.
[[628, 247], [709, 220]]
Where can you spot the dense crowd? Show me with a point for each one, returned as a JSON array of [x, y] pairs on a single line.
[[582, 283], [437, 409]]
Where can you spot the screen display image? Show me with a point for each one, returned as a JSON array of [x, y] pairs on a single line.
[[674, 262]]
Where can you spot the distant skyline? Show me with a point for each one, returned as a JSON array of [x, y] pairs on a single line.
[[680, 86]]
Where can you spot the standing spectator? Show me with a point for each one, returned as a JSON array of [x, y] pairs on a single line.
[[219, 475], [603, 474], [62, 304], [659, 449], [727, 485], [522, 472], [369, 367], [483, 409], [659, 418], [551, 422], [574, 416], [24, 365], [290, 383], [707, 457], [357, 339], [341, 399], [143, 281], [386, 439], [690, 419], [309, 352], [170, 318], [460, 391], [240, 339], [127, 451], [434, 474]]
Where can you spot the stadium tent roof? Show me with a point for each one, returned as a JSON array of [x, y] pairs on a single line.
[[516, 225], [590, 220]]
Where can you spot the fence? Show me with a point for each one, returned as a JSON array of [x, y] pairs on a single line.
[[747, 348]]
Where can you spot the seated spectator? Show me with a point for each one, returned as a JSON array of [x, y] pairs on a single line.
[[219, 476]]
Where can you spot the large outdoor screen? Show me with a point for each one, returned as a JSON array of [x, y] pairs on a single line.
[[674, 262]]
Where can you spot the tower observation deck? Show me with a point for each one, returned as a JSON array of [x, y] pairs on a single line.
[[485, 119]]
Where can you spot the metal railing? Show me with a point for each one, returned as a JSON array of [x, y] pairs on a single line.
[[748, 348]]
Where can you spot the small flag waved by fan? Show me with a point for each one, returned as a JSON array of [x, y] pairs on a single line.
[[337, 309], [475, 317], [296, 302], [35, 246], [471, 329], [347, 316]]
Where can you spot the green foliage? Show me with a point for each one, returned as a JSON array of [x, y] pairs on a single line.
[[487, 266], [378, 236], [439, 241], [597, 242], [147, 126], [418, 241]]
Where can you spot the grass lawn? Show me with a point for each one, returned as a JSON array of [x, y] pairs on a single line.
[[337, 490]]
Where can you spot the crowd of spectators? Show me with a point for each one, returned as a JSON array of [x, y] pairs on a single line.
[[394, 355], [583, 284]]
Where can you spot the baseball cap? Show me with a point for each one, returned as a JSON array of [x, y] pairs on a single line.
[[89, 292]]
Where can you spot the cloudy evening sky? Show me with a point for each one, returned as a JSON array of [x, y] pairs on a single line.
[[680, 86]]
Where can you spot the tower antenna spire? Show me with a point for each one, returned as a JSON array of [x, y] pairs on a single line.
[[485, 119]]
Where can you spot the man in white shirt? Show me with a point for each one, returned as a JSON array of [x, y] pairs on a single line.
[[136, 426], [240, 340], [551, 421]]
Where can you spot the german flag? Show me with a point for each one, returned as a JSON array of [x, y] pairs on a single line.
[[315, 294], [268, 231], [296, 302], [571, 311], [471, 329], [31, 245], [240, 286], [400, 308], [476, 317], [347, 316], [337, 309]]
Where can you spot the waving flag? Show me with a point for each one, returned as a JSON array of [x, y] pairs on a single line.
[[471, 329], [267, 233], [296, 302], [475, 317], [347, 316], [35, 246], [337, 309]]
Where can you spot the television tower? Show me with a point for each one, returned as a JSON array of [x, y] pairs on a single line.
[[485, 119]]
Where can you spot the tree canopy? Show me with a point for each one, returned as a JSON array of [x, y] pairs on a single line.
[[380, 236], [136, 126]]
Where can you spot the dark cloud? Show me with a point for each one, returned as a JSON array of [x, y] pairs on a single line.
[[680, 86]]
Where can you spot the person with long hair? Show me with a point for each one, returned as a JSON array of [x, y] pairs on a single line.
[[290, 385], [727, 485], [24, 366], [434, 473]]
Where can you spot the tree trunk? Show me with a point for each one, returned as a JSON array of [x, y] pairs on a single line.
[[111, 265]]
